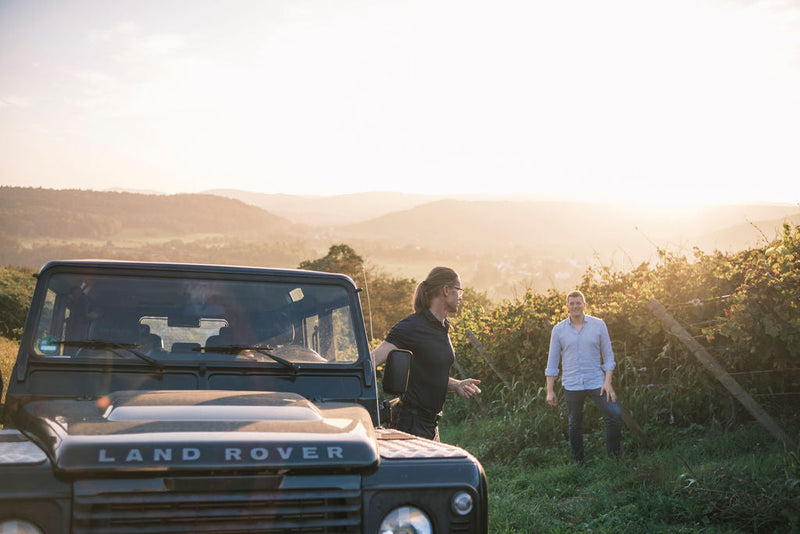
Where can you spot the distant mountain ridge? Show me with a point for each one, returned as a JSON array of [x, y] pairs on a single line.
[[327, 211], [498, 245], [401, 219], [339, 210], [559, 228], [72, 214], [391, 219]]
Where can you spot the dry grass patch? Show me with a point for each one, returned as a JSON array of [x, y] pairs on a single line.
[[8, 353]]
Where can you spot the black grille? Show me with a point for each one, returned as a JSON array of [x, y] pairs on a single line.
[[329, 505]]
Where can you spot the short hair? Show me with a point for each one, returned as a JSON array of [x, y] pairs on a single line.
[[432, 285], [576, 293]]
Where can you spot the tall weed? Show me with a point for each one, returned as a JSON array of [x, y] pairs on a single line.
[[8, 354]]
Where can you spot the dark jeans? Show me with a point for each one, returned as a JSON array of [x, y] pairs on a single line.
[[610, 410]]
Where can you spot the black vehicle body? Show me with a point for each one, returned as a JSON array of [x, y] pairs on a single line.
[[152, 397]]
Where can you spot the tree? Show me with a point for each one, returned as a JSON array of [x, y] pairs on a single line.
[[340, 259], [386, 299], [16, 290], [390, 299]]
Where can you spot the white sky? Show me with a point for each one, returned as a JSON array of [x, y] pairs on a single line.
[[617, 99]]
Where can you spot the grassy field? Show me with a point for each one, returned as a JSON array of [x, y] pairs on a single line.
[[126, 238], [677, 480]]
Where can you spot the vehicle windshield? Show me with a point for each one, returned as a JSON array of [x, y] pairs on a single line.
[[161, 319]]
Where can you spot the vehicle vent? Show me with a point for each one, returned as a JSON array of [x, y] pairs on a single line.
[[218, 504], [460, 524]]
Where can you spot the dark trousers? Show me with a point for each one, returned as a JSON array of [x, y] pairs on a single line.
[[611, 411], [414, 422]]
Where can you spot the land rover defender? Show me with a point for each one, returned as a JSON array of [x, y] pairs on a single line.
[[152, 397]]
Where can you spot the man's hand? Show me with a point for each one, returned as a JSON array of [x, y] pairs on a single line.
[[468, 388], [608, 390], [551, 391]]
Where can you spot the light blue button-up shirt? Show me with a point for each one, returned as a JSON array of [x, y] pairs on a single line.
[[584, 355]]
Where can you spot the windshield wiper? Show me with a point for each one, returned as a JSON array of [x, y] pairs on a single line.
[[266, 351], [99, 344]]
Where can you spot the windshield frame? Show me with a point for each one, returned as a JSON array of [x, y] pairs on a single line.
[[309, 281]]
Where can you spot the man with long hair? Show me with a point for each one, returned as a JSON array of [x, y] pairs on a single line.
[[425, 334]]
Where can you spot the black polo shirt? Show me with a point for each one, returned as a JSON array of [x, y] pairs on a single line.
[[425, 336]]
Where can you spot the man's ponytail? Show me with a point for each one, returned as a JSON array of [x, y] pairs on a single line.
[[432, 286]]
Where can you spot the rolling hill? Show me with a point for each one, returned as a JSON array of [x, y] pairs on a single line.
[[561, 228], [327, 211], [35, 214], [500, 246]]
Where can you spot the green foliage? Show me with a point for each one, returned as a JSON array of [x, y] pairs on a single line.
[[742, 307], [689, 473], [340, 259], [763, 314], [386, 299], [516, 331], [389, 300], [16, 290]]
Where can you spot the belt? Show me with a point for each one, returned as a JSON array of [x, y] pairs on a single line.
[[428, 415]]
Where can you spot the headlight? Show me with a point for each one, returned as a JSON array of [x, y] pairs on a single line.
[[405, 520], [461, 503], [18, 526]]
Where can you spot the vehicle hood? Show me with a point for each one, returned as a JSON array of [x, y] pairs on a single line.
[[201, 430]]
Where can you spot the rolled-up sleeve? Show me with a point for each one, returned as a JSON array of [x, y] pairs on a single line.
[[554, 355], [609, 364]]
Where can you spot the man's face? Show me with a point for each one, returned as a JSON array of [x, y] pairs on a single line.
[[453, 294], [575, 306]]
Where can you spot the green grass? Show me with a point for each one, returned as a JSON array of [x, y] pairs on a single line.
[[677, 480]]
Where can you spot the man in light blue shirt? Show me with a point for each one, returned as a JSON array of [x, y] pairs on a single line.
[[582, 344]]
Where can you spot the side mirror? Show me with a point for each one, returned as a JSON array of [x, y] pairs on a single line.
[[396, 371]]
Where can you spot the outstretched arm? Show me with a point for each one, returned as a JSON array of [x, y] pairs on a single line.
[[381, 352], [466, 388]]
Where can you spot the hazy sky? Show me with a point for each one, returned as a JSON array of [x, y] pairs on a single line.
[[617, 99]]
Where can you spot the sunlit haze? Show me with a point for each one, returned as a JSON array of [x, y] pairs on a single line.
[[674, 101]]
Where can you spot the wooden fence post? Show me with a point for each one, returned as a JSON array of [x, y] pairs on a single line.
[[719, 372]]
